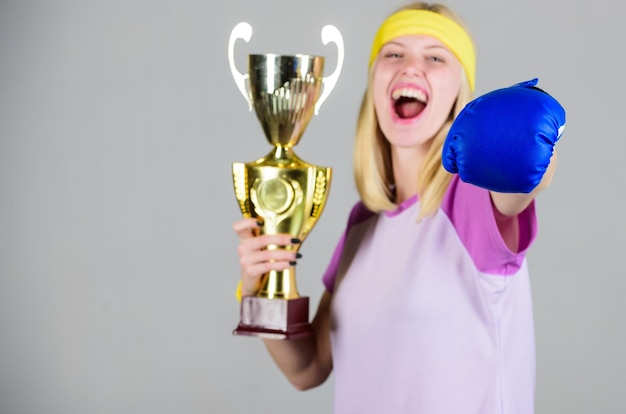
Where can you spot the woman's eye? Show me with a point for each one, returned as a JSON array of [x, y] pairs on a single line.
[[393, 55], [435, 59]]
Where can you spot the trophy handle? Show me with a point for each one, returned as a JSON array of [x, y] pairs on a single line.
[[331, 34], [241, 31]]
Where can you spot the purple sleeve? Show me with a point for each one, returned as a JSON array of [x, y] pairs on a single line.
[[471, 212], [358, 214]]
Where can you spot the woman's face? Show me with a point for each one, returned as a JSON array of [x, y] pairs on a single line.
[[415, 83]]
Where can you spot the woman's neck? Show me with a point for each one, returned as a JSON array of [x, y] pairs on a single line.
[[406, 166]]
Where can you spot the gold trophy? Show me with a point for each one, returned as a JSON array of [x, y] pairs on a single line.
[[284, 192]]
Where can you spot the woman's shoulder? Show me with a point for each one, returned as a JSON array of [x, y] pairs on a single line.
[[359, 213]]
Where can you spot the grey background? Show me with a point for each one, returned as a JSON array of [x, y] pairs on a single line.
[[118, 124]]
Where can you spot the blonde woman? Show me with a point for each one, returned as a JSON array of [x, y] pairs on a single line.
[[427, 305]]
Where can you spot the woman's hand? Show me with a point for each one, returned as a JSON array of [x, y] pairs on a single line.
[[257, 255]]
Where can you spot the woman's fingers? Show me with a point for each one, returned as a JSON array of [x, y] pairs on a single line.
[[246, 228], [266, 241], [259, 254], [262, 261]]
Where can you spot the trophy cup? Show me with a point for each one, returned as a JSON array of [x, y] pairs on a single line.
[[286, 193]]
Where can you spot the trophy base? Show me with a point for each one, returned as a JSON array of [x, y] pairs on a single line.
[[274, 318]]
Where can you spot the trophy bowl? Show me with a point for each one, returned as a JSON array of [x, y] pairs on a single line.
[[284, 90]]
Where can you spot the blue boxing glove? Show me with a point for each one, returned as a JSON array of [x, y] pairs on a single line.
[[503, 140]]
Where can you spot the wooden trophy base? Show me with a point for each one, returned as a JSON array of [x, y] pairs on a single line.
[[274, 318]]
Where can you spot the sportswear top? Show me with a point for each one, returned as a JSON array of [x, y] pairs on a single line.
[[434, 316]]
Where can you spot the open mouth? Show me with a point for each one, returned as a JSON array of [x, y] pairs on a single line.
[[408, 102]]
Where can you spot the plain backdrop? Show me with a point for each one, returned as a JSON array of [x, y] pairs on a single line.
[[119, 121]]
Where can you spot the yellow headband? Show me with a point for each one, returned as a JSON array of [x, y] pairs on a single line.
[[453, 36]]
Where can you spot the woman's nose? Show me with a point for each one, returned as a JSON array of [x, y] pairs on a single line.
[[414, 66]]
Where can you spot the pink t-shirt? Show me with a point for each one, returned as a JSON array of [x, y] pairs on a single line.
[[432, 317]]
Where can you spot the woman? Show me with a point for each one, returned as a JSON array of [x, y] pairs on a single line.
[[427, 304]]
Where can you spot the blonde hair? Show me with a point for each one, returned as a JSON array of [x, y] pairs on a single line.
[[372, 153]]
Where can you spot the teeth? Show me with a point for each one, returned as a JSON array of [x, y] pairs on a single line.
[[409, 93]]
